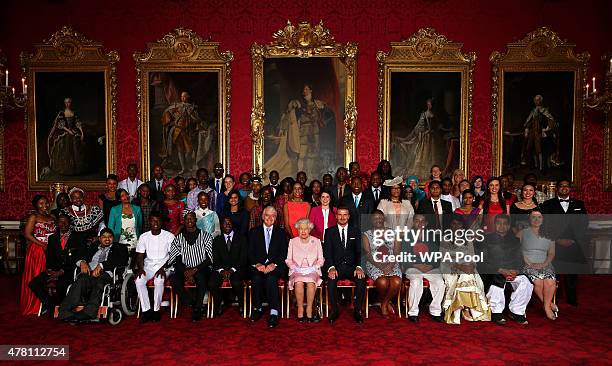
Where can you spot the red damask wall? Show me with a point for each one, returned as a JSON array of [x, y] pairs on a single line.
[[126, 26]]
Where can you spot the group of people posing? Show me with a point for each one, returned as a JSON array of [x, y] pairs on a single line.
[[208, 232]]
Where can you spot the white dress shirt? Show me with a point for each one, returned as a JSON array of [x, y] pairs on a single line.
[[564, 204], [131, 186]]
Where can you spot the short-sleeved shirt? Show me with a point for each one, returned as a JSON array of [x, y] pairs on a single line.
[[156, 247]]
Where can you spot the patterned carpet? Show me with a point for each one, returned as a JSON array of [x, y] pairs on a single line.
[[580, 336]]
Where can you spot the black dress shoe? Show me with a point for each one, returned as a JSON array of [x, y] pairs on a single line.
[[197, 314], [315, 318], [81, 317], [273, 321], [521, 319], [437, 318], [413, 318], [255, 315], [333, 317], [156, 316], [358, 317], [301, 319], [219, 311], [70, 319], [145, 316], [498, 318]]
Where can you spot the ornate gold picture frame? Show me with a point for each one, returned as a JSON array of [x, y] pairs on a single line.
[[183, 90], [307, 119], [538, 102], [71, 111], [425, 86]]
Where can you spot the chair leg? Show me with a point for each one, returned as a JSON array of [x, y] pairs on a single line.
[[283, 301], [138, 310], [176, 304], [250, 299], [243, 301], [210, 307], [399, 296], [326, 302], [406, 301], [321, 301], [367, 303], [172, 303], [288, 301], [40, 309]]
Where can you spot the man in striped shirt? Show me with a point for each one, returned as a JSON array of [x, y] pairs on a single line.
[[191, 254]]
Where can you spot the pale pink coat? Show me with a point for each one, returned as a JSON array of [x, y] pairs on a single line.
[[301, 254]]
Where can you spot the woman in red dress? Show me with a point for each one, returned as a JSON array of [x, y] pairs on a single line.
[[493, 204], [295, 209], [172, 208], [39, 227]]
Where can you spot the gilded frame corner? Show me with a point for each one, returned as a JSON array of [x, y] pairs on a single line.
[[426, 51], [539, 51], [302, 41], [69, 50], [183, 50]]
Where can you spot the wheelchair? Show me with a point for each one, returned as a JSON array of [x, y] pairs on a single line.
[[119, 298]]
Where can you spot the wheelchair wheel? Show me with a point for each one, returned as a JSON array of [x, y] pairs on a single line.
[[115, 316], [129, 295]]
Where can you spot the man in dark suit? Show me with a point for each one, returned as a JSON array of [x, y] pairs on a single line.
[[341, 188], [216, 183], [567, 221], [156, 183], [267, 254], [62, 249], [274, 186], [229, 263], [376, 191], [342, 253], [437, 211], [358, 204], [97, 262]]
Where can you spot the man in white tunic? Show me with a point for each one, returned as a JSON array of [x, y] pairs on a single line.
[[156, 245]]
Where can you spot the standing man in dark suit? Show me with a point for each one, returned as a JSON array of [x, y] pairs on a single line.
[[340, 189], [376, 191], [358, 204], [216, 183], [568, 224], [96, 262], [156, 183], [62, 250], [229, 263], [267, 254], [437, 211], [276, 189], [342, 253]]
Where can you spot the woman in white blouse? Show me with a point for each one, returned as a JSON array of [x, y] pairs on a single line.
[[398, 212]]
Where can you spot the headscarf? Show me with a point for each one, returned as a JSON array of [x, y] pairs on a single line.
[[419, 194]]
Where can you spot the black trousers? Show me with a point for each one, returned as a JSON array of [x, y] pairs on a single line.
[[267, 283], [346, 274], [38, 285], [88, 290], [201, 281], [215, 282]]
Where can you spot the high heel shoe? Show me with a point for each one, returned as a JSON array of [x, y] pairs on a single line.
[[550, 314], [555, 309], [301, 319]]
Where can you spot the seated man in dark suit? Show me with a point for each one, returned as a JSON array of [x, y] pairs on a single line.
[[502, 264], [62, 249], [267, 254], [342, 253], [358, 204], [229, 262], [437, 211], [97, 262]]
